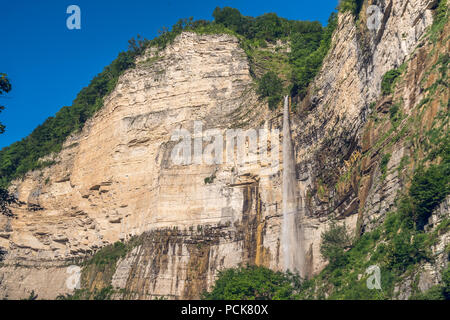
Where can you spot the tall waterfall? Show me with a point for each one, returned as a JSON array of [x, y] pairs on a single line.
[[291, 237]]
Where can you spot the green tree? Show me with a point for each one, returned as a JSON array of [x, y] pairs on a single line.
[[253, 283], [137, 45], [6, 199], [229, 17], [388, 81], [308, 49], [5, 87], [270, 86]]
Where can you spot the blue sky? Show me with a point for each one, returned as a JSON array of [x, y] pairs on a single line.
[[48, 64]]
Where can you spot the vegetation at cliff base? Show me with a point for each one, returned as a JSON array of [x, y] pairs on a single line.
[[253, 283], [396, 247], [307, 54]]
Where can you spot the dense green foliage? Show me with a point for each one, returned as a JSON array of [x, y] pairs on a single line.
[[396, 247], [353, 6], [333, 244], [429, 187], [387, 84], [6, 199], [440, 19], [270, 86], [210, 179], [268, 27], [24, 155], [383, 164], [437, 292], [308, 49], [253, 283], [5, 87], [310, 42]]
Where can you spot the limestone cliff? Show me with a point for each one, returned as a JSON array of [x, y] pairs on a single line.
[[115, 180]]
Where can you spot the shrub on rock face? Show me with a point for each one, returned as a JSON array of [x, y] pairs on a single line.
[[387, 84], [428, 189], [270, 86], [334, 242]]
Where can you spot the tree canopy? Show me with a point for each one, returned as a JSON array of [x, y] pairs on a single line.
[[5, 197], [253, 283]]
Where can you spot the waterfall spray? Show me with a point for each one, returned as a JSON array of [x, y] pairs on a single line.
[[291, 229]]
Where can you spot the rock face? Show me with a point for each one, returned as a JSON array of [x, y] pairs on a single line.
[[116, 180], [329, 125]]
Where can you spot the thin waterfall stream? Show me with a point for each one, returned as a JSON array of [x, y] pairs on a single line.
[[291, 239]]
